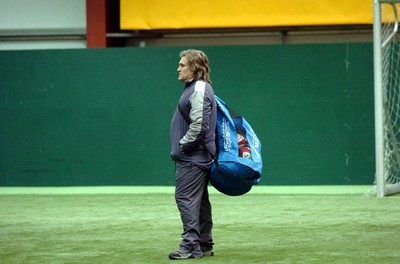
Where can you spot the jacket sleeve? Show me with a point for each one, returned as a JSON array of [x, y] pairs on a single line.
[[200, 109]]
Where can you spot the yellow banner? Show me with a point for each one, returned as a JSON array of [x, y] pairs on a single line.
[[178, 14]]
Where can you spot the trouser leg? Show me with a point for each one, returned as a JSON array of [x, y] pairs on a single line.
[[206, 222], [190, 186]]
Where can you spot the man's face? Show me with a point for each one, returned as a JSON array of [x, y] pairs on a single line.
[[185, 74]]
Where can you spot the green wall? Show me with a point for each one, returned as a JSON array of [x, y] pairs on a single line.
[[101, 116]]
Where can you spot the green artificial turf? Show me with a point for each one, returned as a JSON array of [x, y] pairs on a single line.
[[136, 226]]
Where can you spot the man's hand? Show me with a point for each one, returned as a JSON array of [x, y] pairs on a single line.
[[181, 150]]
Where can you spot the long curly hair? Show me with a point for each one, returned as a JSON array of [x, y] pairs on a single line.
[[198, 63]]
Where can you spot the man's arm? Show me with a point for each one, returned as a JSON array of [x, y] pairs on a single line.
[[198, 118]]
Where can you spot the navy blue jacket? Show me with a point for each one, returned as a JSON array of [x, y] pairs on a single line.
[[198, 104]]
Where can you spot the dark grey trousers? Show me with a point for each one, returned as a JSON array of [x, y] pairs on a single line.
[[191, 196]]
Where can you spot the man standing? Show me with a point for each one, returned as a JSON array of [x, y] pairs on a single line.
[[192, 137]]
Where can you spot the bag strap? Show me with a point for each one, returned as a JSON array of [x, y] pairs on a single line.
[[203, 144]]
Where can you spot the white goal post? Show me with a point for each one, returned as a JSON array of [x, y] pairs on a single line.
[[387, 96]]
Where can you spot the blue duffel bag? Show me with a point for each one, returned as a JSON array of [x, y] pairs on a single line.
[[238, 164]]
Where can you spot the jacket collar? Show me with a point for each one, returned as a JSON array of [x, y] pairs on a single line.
[[188, 83]]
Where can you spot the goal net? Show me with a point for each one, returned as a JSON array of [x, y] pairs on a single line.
[[387, 96]]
